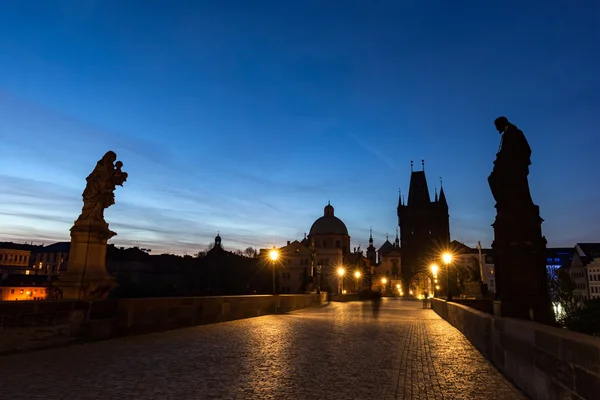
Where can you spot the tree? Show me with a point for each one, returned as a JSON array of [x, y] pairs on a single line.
[[200, 254], [561, 287], [239, 253], [251, 252], [211, 245]]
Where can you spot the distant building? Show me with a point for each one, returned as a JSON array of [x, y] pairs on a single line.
[[14, 259], [314, 261], [585, 271], [23, 288], [52, 259], [424, 227]]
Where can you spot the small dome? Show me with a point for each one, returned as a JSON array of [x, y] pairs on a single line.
[[328, 224]]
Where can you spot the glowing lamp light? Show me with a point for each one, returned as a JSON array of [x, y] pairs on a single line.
[[434, 269], [341, 271], [447, 257], [357, 274], [383, 280]]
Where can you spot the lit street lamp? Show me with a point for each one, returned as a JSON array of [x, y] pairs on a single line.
[[447, 258], [274, 256], [357, 276], [341, 273], [434, 269]]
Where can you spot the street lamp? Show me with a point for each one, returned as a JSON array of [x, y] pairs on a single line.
[[319, 279], [274, 256], [447, 258], [357, 276], [341, 273], [434, 269]]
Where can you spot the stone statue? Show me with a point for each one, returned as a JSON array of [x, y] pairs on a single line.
[[508, 180], [519, 247], [99, 191]]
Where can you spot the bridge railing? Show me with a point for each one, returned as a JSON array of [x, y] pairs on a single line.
[[543, 361], [29, 325]]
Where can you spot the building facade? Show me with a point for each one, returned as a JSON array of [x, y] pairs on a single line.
[[424, 226]]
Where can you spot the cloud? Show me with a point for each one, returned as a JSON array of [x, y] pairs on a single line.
[[388, 161], [24, 120]]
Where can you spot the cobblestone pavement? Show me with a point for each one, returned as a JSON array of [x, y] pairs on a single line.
[[337, 351]]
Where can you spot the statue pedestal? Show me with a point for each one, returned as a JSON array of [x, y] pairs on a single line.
[[520, 264], [474, 289], [86, 277]]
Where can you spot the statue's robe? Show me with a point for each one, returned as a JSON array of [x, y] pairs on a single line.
[[508, 180]]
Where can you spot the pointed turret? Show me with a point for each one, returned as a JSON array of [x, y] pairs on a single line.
[[418, 193], [397, 241], [442, 200]]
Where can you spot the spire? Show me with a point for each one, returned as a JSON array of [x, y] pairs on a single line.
[[218, 240], [371, 246], [423, 164], [328, 212], [397, 241], [442, 200], [418, 192], [387, 238], [436, 198], [399, 197], [411, 165]]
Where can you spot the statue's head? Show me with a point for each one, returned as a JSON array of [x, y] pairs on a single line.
[[501, 124], [110, 157], [119, 164]]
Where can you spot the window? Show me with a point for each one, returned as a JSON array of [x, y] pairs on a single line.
[[12, 291]]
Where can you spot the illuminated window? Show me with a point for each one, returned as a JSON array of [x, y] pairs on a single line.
[[27, 272]]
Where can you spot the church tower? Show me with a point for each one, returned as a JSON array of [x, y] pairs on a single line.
[[424, 225], [371, 251]]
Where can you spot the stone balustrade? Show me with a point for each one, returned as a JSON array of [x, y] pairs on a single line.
[[545, 362], [42, 324]]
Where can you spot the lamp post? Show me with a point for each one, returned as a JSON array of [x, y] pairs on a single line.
[[274, 256], [341, 273], [447, 258], [357, 276], [384, 283], [319, 279]]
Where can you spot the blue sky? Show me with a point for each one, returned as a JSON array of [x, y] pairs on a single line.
[[248, 116]]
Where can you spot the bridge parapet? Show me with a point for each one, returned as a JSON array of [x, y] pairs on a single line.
[[41, 324], [543, 361]]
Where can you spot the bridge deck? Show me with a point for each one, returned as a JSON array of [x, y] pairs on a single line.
[[338, 351]]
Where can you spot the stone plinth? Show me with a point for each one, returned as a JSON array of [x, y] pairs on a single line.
[[520, 264], [86, 277]]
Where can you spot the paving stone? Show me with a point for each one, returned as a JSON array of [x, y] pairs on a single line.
[[338, 351]]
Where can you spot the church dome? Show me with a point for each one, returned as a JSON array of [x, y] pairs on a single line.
[[328, 224]]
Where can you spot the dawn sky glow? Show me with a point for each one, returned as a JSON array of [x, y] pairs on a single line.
[[246, 117]]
